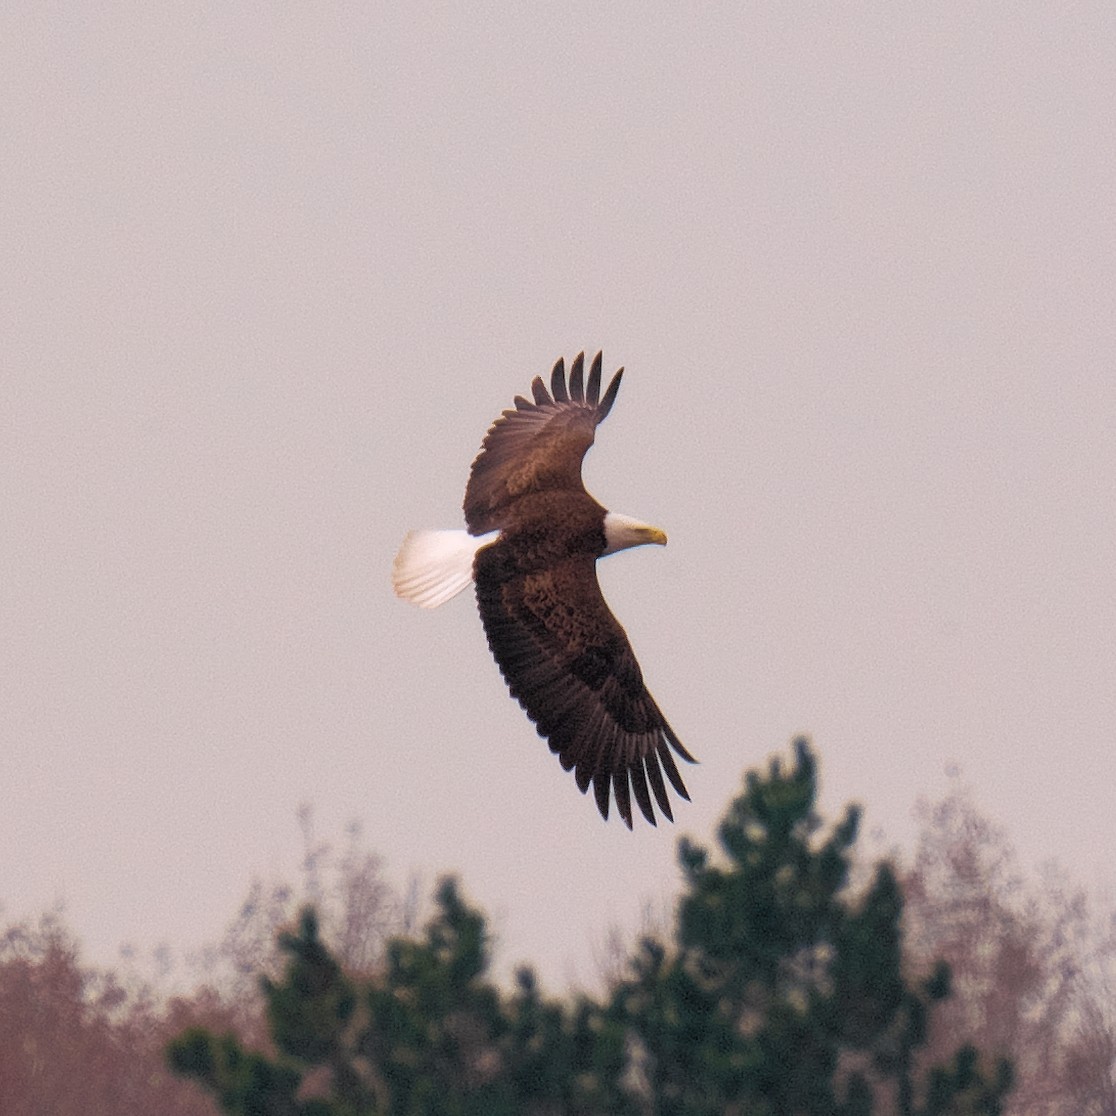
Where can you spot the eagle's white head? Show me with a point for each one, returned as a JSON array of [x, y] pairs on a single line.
[[622, 532]]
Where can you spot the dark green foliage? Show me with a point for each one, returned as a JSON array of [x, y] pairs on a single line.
[[430, 1035], [782, 992], [309, 1011], [243, 1082]]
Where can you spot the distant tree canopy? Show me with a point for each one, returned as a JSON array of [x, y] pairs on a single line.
[[774, 987], [781, 990]]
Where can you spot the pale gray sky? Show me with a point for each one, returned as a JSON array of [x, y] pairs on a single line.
[[268, 274]]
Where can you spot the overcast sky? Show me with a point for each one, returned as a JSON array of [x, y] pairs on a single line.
[[270, 271]]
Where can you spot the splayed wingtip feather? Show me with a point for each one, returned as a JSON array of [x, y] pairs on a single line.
[[577, 392], [593, 388], [558, 382], [602, 784]]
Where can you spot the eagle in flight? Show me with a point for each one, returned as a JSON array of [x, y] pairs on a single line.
[[533, 539]]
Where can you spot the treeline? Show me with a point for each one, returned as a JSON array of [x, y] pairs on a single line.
[[793, 977]]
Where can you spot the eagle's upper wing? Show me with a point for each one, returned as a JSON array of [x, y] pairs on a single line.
[[539, 445], [568, 662]]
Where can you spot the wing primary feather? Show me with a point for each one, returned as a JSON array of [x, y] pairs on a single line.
[[583, 750], [672, 771], [593, 389], [577, 394], [601, 785], [558, 382], [609, 397], [623, 795], [565, 727], [538, 390], [639, 785], [583, 775], [656, 778], [676, 744], [521, 404]]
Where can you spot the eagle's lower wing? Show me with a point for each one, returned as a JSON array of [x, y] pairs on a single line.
[[568, 662]]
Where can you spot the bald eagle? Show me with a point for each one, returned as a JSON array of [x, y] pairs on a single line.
[[534, 536]]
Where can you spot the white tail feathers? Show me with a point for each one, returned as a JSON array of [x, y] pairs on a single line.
[[433, 566]]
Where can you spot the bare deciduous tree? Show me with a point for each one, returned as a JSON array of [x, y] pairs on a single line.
[[1026, 961]]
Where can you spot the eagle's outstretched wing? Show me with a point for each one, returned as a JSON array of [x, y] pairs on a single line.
[[538, 446], [568, 662]]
